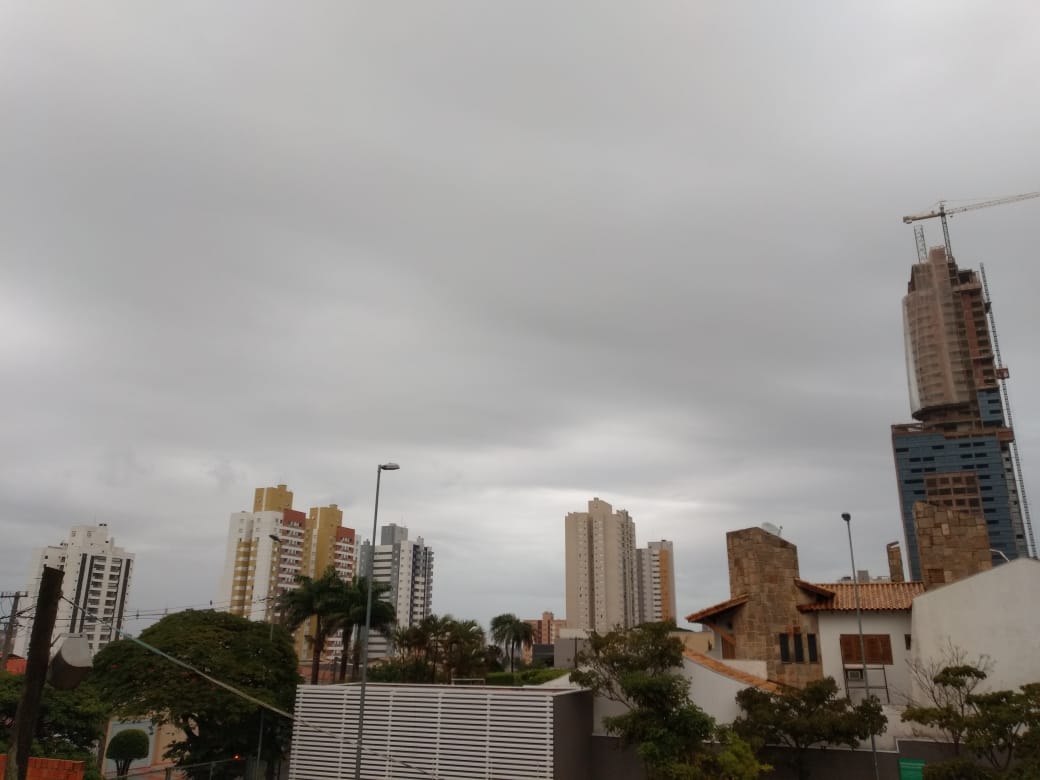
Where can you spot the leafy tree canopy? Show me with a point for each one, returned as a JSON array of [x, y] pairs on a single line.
[[1001, 728], [512, 633], [69, 725], [799, 718], [638, 668], [255, 658]]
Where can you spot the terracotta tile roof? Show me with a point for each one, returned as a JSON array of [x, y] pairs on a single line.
[[722, 606], [819, 590], [725, 669], [874, 596]]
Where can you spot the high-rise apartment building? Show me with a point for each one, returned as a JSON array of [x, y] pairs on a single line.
[[546, 629], [600, 568], [94, 589], [655, 582], [268, 548], [406, 566], [956, 457]]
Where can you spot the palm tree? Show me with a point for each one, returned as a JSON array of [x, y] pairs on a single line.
[[320, 600], [512, 633], [464, 643], [353, 616]]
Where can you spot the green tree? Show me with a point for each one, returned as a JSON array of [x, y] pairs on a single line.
[[1002, 728], [351, 615], [255, 658], [947, 707], [940, 690], [512, 633], [464, 646], [438, 648], [69, 725], [127, 746], [321, 601], [799, 718], [637, 668]]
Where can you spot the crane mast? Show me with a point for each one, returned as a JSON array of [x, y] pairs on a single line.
[[1002, 375]]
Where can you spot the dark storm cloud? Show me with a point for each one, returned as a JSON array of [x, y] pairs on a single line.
[[535, 253]]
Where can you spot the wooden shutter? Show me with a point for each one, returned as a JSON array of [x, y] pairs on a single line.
[[878, 647]]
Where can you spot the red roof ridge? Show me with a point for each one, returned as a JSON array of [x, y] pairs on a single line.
[[714, 609], [812, 587], [721, 667], [873, 596]]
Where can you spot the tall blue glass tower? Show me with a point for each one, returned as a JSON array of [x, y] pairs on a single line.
[[957, 455]]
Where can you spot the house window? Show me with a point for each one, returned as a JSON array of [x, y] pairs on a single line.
[[814, 655], [878, 648], [799, 649], [785, 648], [906, 638]]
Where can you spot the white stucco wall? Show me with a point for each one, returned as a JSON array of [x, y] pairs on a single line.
[[895, 624], [714, 693], [995, 613], [757, 668]]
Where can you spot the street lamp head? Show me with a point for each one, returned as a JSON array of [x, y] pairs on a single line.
[[388, 467], [846, 517]]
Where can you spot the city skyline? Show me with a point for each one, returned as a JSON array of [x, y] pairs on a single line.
[[654, 255]]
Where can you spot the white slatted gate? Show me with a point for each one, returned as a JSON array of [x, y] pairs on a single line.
[[421, 732]]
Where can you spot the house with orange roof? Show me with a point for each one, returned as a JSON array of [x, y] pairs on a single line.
[[777, 626], [886, 613]]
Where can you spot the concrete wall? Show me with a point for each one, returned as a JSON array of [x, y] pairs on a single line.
[[995, 613], [713, 692], [895, 624], [572, 726]]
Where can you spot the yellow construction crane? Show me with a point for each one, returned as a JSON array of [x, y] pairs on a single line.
[[942, 212]]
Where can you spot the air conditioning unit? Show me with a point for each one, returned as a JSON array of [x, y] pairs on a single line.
[[855, 675]]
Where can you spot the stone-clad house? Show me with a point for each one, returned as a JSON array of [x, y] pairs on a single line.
[[799, 630], [761, 621]]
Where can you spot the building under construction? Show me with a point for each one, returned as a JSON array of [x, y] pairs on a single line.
[[961, 505]]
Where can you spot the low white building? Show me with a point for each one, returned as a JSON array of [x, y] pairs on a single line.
[[994, 613], [885, 608]]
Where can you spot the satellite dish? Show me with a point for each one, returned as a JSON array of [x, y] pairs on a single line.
[[769, 528]]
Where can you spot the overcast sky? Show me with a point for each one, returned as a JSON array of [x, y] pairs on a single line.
[[533, 252]]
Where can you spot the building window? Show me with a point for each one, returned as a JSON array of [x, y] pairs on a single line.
[[799, 649], [906, 638], [785, 648], [814, 655], [878, 648]]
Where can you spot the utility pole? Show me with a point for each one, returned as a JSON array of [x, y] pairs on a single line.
[[12, 627], [36, 662]]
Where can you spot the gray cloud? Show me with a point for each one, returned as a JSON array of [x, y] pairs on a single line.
[[534, 253]]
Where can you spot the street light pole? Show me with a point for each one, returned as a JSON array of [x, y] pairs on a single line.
[[368, 623], [862, 643], [276, 548]]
